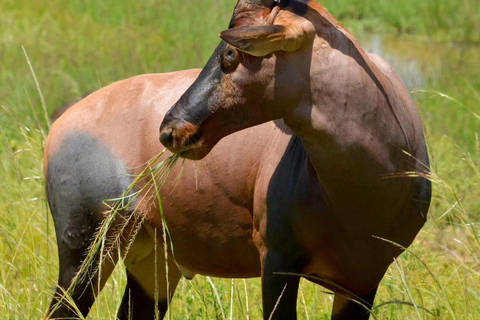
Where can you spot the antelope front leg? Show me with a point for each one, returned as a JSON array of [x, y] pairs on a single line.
[[279, 290]]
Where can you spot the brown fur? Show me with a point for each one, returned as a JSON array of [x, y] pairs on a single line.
[[208, 211], [331, 201]]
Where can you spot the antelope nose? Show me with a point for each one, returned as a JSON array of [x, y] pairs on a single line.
[[166, 137]]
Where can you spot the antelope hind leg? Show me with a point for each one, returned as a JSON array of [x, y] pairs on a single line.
[[143, 297], [346, 309], [86, 288]]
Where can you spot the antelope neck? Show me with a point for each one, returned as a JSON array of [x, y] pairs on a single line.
[[349, 127]]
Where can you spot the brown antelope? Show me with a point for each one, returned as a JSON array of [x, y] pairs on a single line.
[[91, 154], [314, 192], [340, 189]]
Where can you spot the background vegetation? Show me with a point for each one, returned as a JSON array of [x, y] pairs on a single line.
[[77, 46]]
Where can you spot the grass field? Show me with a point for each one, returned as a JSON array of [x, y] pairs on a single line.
[[78, 46]]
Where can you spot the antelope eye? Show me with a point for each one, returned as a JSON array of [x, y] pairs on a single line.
[[230, 55], [230, 59]]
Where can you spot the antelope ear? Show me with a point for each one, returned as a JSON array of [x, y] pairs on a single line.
[[259, 41]]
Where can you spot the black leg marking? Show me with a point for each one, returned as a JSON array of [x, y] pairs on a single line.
[[138, 305], [345, 309], [279, 291], [83, 293]]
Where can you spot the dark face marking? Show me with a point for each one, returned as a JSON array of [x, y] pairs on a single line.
[[193, 109], [234, 91]]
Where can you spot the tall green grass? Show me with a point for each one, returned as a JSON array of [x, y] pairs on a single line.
[[78, 46], [442, 20]]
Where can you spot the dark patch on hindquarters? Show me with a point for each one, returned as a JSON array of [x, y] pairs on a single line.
[[80, 175]]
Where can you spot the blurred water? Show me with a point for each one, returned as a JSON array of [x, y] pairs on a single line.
[[426, 63], [409, 68]]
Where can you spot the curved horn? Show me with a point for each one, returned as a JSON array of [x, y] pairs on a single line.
[[288, 33]]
